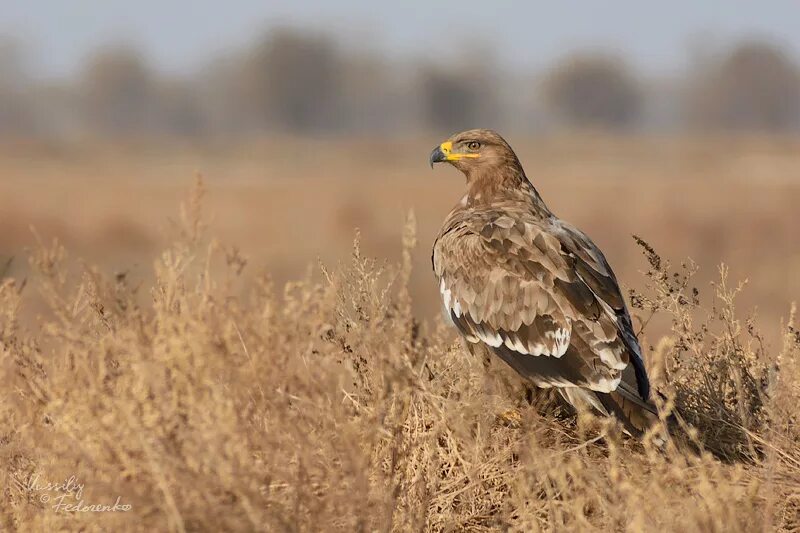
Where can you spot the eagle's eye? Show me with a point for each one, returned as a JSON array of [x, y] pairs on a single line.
[[473, 145]]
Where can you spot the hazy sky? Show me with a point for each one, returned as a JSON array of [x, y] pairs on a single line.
[[180, 35]]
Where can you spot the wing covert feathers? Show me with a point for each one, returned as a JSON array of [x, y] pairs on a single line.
[[539, 293]]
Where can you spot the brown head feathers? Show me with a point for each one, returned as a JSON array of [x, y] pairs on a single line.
[[492, 169]]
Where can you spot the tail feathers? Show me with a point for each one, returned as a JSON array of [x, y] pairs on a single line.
[[636, 415]]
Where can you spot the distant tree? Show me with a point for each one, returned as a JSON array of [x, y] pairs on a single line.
[[755, 86], [371, 96], [179, 109], [118, 92], [16, 110], [595, 91], [291, 81], [455, 100]]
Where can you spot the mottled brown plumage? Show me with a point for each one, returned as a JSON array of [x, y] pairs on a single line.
[[534, 290]]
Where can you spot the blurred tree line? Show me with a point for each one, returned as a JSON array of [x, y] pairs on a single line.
[[297, 82]]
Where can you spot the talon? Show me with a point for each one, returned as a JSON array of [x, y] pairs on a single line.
[[512, 418]]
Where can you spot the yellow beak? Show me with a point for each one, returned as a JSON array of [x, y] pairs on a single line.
[[444, 152]]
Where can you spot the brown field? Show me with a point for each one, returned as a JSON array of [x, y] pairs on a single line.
[[286, 203], [213, 399]]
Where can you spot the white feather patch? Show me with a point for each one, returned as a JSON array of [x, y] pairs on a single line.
[[492, 339], [611, 358], [606, 384], [561, 337], [516, 345], [521, 348], [446, 296], [538, 349]]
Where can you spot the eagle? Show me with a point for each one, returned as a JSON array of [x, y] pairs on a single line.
[[533, 290]]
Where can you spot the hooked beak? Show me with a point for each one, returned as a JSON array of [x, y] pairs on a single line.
[[444, 152], [438, 155]]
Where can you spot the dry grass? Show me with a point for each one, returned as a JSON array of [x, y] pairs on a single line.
[[324, 405]]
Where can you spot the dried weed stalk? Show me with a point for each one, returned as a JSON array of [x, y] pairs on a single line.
[[212, 402]]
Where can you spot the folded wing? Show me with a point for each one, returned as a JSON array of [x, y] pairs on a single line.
[[541, 295]]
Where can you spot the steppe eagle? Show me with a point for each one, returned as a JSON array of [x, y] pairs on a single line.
[[534, 290]]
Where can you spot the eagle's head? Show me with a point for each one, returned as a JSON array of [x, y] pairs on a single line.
[[475, 152]]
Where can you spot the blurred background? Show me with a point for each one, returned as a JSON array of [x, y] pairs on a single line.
[[679, 122]]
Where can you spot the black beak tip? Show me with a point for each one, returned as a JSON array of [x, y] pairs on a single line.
[[437, 156]]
